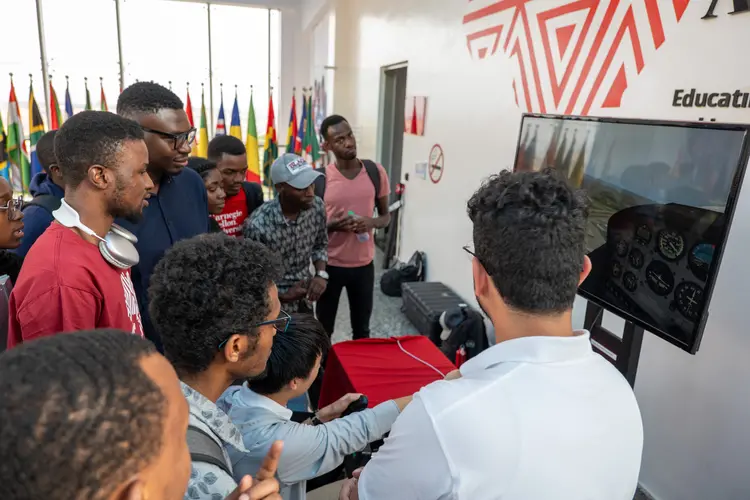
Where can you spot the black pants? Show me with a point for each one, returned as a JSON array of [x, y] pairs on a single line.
[[360, 284]]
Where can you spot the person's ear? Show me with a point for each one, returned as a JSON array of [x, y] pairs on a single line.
[[235, 346], [133, 489], [99, 176], [585, 271], [294, 384], [481, 278]]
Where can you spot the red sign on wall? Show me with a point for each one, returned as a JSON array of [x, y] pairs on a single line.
[[437, 163]]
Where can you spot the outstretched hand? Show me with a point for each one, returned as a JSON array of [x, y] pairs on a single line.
[[349, 491], [265, 486]]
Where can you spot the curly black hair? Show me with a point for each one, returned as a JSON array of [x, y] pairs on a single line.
[[204, 290], [225, 144], [529, 235], [293, 354], [201, 165], [78, 415], [328, 122], [92, 138], [146, 98], [45, 150]]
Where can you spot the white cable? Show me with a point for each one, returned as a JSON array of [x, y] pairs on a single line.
[[442, 375]]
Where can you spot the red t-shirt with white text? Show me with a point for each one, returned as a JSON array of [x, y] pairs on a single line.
[[65, 285], [234, 214]]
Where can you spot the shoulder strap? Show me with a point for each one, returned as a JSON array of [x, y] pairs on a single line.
[[204, 449], [47, 201], [253, 197], [374, 173], [320, 183]]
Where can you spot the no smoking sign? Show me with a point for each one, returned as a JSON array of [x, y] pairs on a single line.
[[437, 163]]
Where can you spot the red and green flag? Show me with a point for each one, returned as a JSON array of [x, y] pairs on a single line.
[[271, 147], [102, 98], [311, 145], [20, 174], [55, 117]]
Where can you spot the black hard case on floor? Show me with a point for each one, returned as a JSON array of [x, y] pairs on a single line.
[[424, 302]]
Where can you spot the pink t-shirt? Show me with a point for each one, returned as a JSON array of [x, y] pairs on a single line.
[[356, 195]]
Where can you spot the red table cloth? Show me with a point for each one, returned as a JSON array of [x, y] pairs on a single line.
[[380, 370]]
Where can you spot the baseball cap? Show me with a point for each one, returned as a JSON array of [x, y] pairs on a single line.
[[293, 170]]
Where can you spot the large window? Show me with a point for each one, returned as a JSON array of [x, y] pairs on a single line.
[[82, 53], [20, 56], [165, 41]]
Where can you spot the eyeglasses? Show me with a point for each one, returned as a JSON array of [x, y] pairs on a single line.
[[470, 250], [178, 140], [13, 206], [281, 324]]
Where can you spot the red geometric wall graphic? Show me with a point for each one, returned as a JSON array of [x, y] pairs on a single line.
[[571, 55]]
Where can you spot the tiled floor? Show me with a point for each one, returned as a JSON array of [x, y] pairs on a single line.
[[387, 318]]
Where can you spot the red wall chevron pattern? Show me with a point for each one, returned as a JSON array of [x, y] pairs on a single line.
[[571, 56]]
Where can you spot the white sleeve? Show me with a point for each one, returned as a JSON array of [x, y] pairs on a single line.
[[411, 464]]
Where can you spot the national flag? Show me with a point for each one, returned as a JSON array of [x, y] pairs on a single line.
[[270, 148], [189, 112], [521, 155], [88, 95], [291, 134], [549, 158], [102, 99], [68, 101], [564, 169], [576, 177], [300, 141], [312, 147], [56, 118], [201, 148], [560, 156], [221, 127], [20, 174], [235, 128], [529, 152], [36, 131], [251, 145], [4, 170]]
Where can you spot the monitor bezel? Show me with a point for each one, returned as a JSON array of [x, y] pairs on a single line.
[[732, 198]]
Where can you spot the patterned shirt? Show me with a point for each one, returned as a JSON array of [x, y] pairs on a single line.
[[207, 481], [295, 241]]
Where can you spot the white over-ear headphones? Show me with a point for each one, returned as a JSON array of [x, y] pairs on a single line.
[[117, 247]]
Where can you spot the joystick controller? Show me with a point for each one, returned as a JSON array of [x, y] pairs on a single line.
[[357, 405]]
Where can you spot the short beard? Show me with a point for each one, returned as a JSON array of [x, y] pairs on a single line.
[[117, 206]]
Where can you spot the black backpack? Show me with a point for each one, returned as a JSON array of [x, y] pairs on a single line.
[[253, 196], [373, 172], [414, 270], [204, 449], [48, 202]]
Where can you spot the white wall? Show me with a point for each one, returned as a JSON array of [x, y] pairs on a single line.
[[695, 408]]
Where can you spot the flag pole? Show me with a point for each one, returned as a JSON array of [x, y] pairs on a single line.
[[210, 71], [119, 45], [43, 55]]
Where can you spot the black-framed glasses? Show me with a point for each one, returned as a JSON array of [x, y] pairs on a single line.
[[470, 250], [178, 140], [281, 324], [13, 206]]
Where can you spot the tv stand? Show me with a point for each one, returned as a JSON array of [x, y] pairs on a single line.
[[623, 352]]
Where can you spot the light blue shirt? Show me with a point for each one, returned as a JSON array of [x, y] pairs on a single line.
[[207, 481], [309, 451]]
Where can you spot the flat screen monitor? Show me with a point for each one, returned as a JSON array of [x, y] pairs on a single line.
[[662, 196]]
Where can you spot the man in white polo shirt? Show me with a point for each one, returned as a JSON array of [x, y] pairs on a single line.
[[538, 416]]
